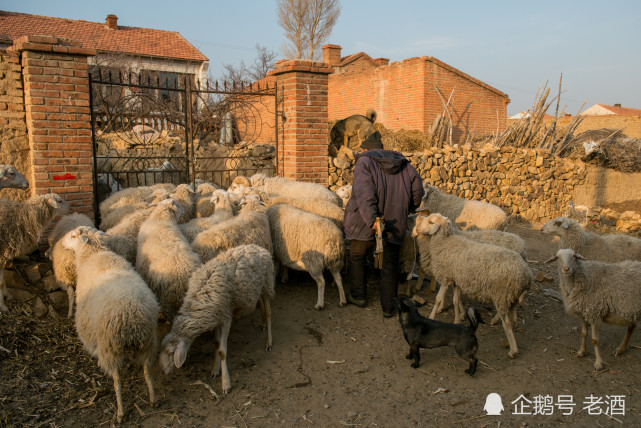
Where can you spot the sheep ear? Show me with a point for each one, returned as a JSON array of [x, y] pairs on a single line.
[[551, 259], [3, 171], [83, 239], [180, 355], [565, 225], [579, 257]]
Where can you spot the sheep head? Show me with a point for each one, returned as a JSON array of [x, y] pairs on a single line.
[[57, 203], [82, 235], [173, 353], [431, 224], [568, 261], [238, 182], [11, 177], [557, 226]]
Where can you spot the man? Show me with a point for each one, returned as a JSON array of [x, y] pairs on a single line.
[[385, 185]]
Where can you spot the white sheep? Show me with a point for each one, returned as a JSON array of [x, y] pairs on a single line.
[[600, 292], [21, 224], [481, 271], [224, 209], [117, 313], [308, 242], [164, 257], [344, 192], [184, 196], [279, 186], [63, 260], [204, 205], [465, 213], [227, 287], [320, 207], [606, 248], [11, 178], [250, 226], [123, 237]]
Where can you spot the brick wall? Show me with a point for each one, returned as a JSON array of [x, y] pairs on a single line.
[[404, 96], [303, 153], [56, 100], [14, 143]]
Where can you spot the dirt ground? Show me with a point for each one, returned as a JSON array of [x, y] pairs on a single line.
[[335, 367]]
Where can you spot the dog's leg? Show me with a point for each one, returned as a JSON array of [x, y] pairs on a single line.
[[414, 349]]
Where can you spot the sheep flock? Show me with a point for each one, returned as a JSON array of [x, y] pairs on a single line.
[[168, 263]]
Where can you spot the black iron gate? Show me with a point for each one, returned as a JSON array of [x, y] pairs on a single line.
[[162, 128]]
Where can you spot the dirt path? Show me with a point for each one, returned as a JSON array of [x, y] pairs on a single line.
[[336, 367]]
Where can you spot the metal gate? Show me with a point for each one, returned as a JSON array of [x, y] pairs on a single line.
[[162, 128]]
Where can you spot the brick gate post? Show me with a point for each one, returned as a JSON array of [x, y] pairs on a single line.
[[56, 99], [303, 152]]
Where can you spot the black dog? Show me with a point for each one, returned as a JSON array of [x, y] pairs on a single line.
[[421, 332]]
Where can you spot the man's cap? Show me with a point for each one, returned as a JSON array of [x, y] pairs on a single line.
[[373, 142]]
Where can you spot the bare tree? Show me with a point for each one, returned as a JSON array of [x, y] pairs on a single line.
[[307, 24], [264, 62]]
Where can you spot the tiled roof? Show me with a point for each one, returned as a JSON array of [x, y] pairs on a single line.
[[130, 40], [623, 111], [353, 57]]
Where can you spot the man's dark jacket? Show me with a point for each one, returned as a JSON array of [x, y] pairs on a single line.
[[385, 184]]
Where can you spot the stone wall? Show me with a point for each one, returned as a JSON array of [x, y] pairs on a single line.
[[533, 185]]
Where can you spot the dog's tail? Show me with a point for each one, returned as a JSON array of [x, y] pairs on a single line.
[[474, 318], [371, 115]]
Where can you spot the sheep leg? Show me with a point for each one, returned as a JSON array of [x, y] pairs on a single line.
[[222, 352], [508, 327], [456, 300], [438, 300], [3, 291], [150, 384], [624, 345], [419, 282], [320, 281], [118, 389], [598, 364], [266, 312], [584, 336], [71, 299], [216, 370], [342, 301]]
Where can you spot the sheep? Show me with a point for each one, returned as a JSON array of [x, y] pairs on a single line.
[[132, 196], [21, 224], [279, 186], [164, 258], [465, 213], [184, 196], [319, 207], [250, 226], [62, 259], [308, 242], [605, 248], [123, 237], [11, 178], [115, 215], [204, 205], [227, 287], [482, 271], [224, 209], [344, 192], [117, 314], [598, 291]]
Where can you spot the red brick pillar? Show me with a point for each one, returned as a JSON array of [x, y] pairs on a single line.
[[303, 151], [56, 98]]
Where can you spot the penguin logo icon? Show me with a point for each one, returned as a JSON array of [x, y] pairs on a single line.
[[493, 404]]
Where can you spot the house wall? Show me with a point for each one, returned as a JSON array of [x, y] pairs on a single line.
[[14, 143], [404, 96]]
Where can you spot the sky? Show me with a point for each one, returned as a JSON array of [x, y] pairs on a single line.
[[514, 46]]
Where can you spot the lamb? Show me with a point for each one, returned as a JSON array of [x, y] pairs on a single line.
[[62, 259], [21, 224], [597, 291], [279, 186], [605, 248], [319, 207], [11, 178], [227, 287], [308, 242], [164, 258], [224, 209], [482, 271], [132, 196], [465, 213], [250, 226], [117, 313], [184, 196]]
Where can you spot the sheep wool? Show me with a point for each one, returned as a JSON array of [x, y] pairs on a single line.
[[227, 287]]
